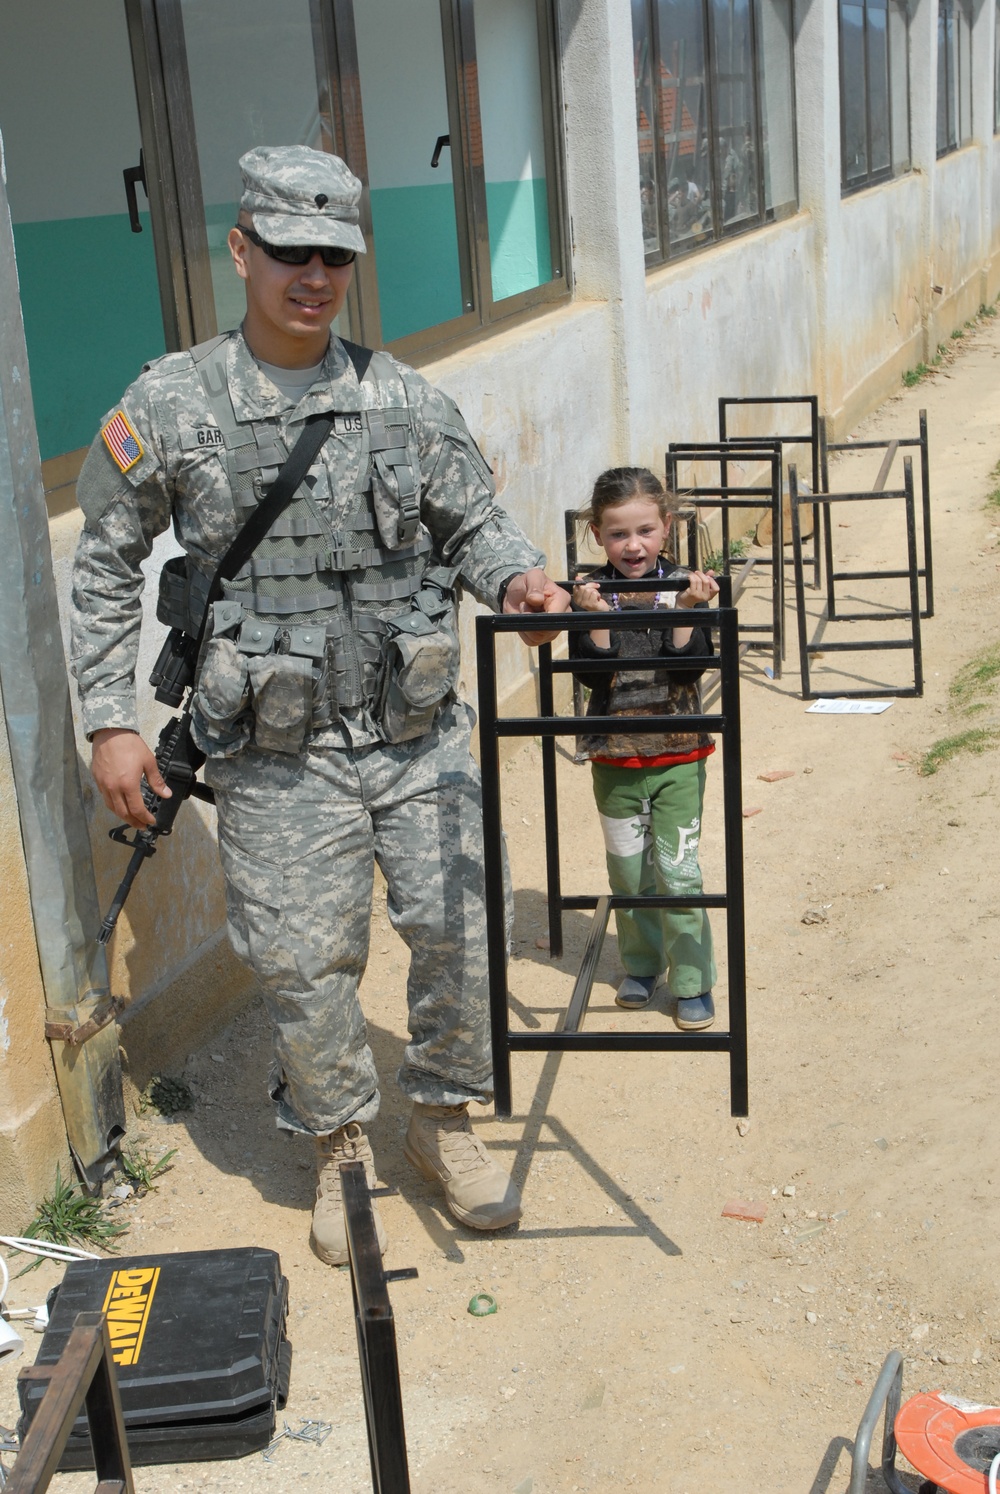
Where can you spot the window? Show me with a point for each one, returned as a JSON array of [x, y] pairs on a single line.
[[954, 75], [874, 90], [446, 109], [996, 69], [715, 116]]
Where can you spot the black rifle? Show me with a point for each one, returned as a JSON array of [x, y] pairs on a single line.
[[178, 759]]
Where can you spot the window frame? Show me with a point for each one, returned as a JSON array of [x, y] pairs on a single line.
[[482, 315], [156, 32], [960, 12], [883, 173], [996, 67], [666, 252]]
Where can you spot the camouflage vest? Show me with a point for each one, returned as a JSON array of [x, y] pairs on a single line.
[[307, 627]]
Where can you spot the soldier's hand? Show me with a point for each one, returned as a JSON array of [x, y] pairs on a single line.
[[534, 591], [119, 763]]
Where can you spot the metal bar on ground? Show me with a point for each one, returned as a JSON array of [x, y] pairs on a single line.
[[376, 1333], [580, 999]]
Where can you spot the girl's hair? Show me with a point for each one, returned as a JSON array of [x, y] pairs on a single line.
[[619, 484]]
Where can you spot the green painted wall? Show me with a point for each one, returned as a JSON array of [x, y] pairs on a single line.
[[519, 236], [417, 247], [91, 319]]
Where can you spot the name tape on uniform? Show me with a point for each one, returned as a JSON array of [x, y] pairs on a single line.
[[122, 441]]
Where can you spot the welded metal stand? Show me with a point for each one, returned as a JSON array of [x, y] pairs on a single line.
[[726, 497], [548, 726], [376, 1332], [84, 1373], [810, 439], [909, 614], [890, 447]]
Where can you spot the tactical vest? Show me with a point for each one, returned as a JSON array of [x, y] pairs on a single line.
[[316, 620]]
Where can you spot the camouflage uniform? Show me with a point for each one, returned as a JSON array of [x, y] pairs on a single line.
[[309, 789]]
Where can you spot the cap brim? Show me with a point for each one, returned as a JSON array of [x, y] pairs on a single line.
[[288, 229]]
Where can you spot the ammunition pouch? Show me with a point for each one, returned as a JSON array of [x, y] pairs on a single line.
[[420, 661], [183, 595], [261, 680]]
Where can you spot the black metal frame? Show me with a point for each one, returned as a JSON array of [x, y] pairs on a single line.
[[376, 1331], [84, 1373], [548, 726], [862, 645], [890, 447], [725, 496], [812, 441]]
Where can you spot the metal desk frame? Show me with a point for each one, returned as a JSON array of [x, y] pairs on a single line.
[[548, 726]]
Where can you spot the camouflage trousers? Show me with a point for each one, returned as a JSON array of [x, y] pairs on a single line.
[[298, 838]]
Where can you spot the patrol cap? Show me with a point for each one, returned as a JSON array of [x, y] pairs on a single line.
[[296, 195]]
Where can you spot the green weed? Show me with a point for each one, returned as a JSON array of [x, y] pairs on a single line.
[[977, 739], [69, 1217], [976, 678], [913, 376], [958, 332], [139, 1168], [716, 561]]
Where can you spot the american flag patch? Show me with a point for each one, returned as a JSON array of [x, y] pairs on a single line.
[[122, 442]]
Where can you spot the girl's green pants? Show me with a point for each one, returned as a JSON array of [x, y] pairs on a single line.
[[651, 819]]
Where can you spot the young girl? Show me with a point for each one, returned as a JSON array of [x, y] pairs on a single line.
[[649, 788]]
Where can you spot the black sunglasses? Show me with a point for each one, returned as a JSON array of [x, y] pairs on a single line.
[[332, 255]]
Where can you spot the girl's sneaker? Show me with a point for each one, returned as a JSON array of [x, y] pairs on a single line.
[[636, 991], [694, 1012]]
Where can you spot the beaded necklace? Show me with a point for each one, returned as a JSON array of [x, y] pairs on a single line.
[[657, 595]]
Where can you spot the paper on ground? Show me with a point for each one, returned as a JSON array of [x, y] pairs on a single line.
[[844, 707]]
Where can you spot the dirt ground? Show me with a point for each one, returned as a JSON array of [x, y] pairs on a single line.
[[642, 1340]]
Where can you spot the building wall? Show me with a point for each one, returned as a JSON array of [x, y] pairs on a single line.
[[32, 1138], [837, 300]]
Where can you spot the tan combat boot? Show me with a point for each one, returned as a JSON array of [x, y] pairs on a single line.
[[329, 1231], [440, 1144]]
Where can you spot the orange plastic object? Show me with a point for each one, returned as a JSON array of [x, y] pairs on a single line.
[[927, 1429]]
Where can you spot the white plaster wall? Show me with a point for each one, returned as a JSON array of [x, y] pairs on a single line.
[[874, 293], [736, 319], [958, 205], [995, 194]]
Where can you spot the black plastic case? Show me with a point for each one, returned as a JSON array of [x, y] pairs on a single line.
[[202, 1360]]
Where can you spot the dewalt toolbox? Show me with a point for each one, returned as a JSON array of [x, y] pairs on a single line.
[[200, 1352]]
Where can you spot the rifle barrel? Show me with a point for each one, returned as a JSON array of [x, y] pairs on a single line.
[[143, 849]]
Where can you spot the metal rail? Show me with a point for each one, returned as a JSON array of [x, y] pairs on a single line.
[[812, 440], [548, 726], [890, 446], [887, 1392], [727, 496], [376, 1331], [84, 1373], [909, 614]]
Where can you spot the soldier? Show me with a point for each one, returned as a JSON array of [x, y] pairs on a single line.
[[325, 693]]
